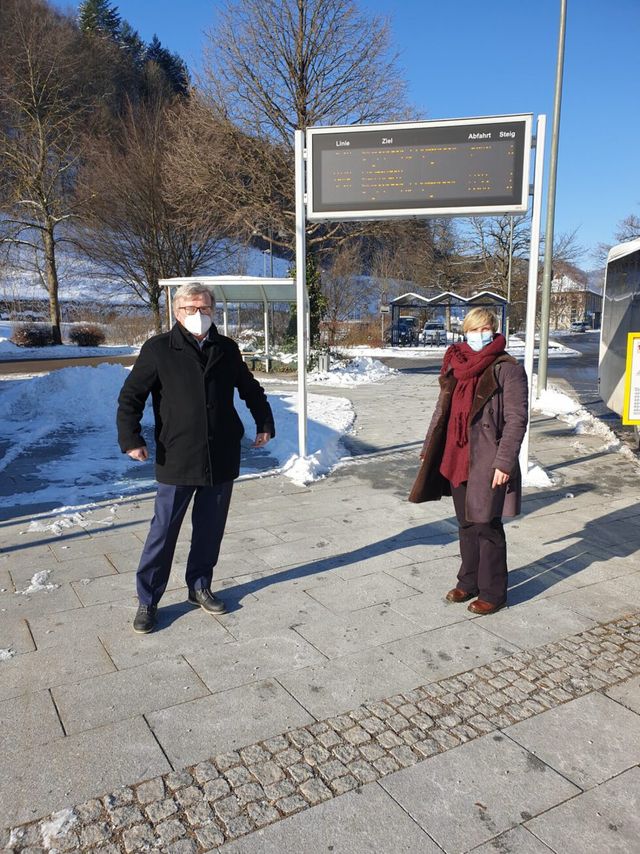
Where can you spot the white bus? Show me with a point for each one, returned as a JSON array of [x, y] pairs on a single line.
[[620, 315]]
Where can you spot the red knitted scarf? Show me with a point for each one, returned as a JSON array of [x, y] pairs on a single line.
[[466, 365]]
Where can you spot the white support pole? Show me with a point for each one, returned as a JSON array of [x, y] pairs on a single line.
[[265, 306], [532, 285], [225, 316], [301, 292]]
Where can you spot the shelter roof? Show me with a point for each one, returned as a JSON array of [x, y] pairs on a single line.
[[447, 298], [244, 289]]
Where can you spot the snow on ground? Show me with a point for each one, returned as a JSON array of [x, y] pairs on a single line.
[[359, 371], [516, 348], [557, 404], [64, 423], [39, 581], [10, 351], [6, 654]]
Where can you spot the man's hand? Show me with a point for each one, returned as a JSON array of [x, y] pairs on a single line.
[[261, 440], [499, 478], [140, 454]]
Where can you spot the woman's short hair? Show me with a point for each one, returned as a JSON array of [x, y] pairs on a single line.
[[192, 290], [478, 317]]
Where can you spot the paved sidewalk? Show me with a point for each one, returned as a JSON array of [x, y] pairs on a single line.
[[341, 704]]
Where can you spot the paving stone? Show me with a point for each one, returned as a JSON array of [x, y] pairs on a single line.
[[170, 830], [215, 789], [276, 744], [151, 790], [262, 814], [291, 804], [224, 761], [182, 846], [315, 791], [375, 823], [78, 767], [300, 772], [125, 816], [227, 808], [606, 818], [45, 668], [125, 694], [254, 755], [587, 740], [287, 757], [205, 771], [139, 838], [628, 694], [209, 837], [159, 810], [495, 783], [93, 835], [192, 731], [249, 793], [199, 814], [270, 772], [28, 720], [178, 780], [281, 789], [238, 776]]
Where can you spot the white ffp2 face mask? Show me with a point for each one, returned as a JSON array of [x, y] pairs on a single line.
[[478, 340], [197, 324]]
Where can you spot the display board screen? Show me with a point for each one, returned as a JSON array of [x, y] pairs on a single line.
[[462, 166]]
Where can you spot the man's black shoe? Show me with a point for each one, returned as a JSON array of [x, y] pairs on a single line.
[[207, 601], [145, 619]]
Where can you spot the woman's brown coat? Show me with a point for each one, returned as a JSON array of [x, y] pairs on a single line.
[[497, 424]]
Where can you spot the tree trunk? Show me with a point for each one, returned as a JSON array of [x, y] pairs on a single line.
[[51, 275], [154, 302]]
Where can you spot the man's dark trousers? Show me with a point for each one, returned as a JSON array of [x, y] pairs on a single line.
[[483, 549], [208, 518]]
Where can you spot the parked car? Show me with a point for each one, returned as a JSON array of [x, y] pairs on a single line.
[[433, 333], [406, 331], [579, 326]]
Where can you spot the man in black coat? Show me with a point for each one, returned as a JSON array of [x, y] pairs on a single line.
[[191, 373]]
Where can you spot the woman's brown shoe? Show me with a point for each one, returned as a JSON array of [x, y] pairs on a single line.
[[457, 595], [481, 607]]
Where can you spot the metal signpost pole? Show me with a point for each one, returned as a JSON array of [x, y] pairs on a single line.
[[551, 207], [301, 302], [532, 285]]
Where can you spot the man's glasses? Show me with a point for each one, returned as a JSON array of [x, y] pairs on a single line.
[[192, 309]]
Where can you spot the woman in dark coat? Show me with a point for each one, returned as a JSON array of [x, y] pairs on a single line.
[[471, 453]]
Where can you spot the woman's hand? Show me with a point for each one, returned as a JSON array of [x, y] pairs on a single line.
[[499, 478]]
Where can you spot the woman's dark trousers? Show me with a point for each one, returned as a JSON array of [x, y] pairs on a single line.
[[208, 519], [483, 550]]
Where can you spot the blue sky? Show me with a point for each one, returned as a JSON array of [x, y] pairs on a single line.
[[465, 58]]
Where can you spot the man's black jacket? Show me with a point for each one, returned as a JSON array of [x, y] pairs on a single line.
[[197, 428]]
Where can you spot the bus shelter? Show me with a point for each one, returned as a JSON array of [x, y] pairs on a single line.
[[411, 310], [243, 290]]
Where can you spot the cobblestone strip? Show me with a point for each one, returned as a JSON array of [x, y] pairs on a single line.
[[196, 810]]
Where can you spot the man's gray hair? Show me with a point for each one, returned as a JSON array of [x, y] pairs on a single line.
[[192, 290]]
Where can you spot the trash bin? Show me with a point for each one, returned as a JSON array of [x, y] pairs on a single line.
[[323, 361]]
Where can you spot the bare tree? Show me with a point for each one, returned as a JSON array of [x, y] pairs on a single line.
[[134, 231], [43, 114], [628, 229], [271, 67], [347, 292], [275, 66]]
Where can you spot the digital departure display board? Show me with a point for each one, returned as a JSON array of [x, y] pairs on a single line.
[[456, 167]]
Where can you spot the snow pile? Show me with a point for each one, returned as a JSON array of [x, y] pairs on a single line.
[[72, 410], [70, 414], [56, 827], [359, 371], [536, 477], [328, 419], [11, 352], [517, 344], [39, 581], [554, 403], [6, 654], [64, 520]]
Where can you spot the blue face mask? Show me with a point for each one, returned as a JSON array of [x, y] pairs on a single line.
[[477, 340]]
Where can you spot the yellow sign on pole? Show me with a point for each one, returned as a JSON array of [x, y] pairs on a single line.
[[631, 405]]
